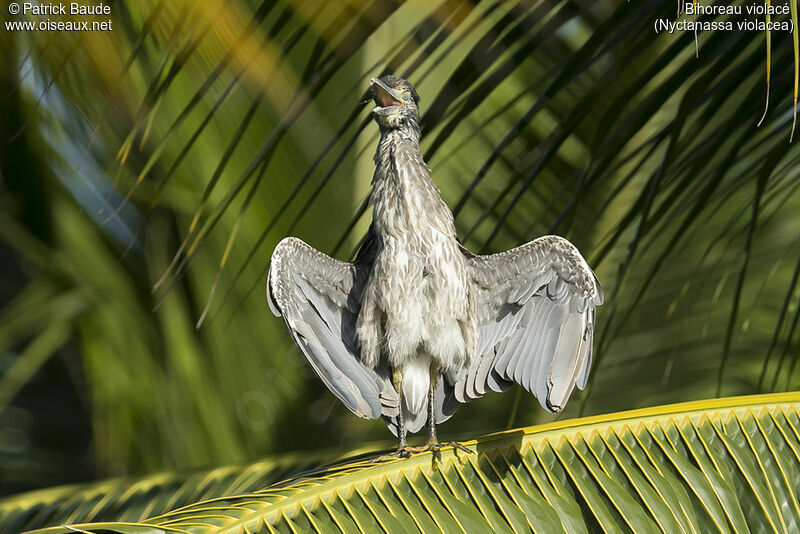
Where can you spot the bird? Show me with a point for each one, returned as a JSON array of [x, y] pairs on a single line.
[[418, 325]]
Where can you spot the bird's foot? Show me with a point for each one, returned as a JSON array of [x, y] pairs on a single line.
[[402, 452], [459, 446], [433, 446], [436, 447]]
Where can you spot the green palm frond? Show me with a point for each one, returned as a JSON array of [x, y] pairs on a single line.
[[727, 465], [136, 499]]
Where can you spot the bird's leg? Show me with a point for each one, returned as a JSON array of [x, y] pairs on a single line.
[[434, 376], [403, 450], [433, 443], [397, 382]]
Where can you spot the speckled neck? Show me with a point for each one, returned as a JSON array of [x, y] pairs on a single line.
[[404, 197], [405, 137]]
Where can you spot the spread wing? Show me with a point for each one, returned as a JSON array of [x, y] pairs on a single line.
[[319, 298], [536, 307]]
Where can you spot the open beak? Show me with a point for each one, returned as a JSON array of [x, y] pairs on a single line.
[[384, 96]]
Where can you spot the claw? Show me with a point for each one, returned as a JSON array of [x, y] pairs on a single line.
[[401, 452], [457, 445], [432, 446], [436, 447]]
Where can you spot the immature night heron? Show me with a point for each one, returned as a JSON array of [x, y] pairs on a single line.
[[418, 325]]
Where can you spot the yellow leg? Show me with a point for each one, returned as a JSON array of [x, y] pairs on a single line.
[[434, 377], [397, 382], [433, 445]]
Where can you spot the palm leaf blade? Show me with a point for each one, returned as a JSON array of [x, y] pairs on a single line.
[[727, 465]]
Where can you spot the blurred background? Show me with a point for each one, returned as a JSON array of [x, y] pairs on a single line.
[[149, 170]]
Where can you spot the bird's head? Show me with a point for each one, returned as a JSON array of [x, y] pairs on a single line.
[[396, 102]]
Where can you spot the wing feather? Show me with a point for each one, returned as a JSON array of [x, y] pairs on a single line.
[[536, 313], [482, 376], [318, 298]]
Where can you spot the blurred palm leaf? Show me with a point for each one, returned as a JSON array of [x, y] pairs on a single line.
[[192, 137], [131, 500], [727, 465]]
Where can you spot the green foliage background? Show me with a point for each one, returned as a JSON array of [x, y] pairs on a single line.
[[177, 149]]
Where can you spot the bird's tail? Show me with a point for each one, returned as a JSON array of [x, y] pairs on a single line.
[[416, 381]]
